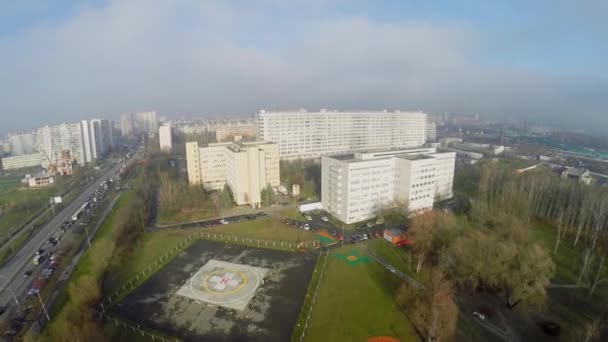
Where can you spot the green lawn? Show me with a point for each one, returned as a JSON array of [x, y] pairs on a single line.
[[165, 219], [151, 247], [356, 302], [9, 182], [266, 228]]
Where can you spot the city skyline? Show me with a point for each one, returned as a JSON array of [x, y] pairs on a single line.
[[512, 60]]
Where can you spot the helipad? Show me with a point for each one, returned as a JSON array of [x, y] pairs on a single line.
[[224, 283]]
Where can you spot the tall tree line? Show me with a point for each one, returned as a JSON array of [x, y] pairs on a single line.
[[575, 209]]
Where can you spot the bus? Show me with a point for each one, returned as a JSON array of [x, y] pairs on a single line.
[[80, 211]]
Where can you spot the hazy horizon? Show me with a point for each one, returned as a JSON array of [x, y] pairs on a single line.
[[511, 60]]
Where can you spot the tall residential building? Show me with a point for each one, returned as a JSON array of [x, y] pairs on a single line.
[[97, 138], [127, 124], [22, 143], [355, 186], [431, 131], [136, 123], [246, 167], [52, 141], [165, 138], [146, 122], [302, 134]]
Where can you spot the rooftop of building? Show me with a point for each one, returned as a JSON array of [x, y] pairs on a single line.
[[573, 171], [327, 111], [421, 153]]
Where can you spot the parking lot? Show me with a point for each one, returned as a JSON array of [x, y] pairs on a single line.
[[318, 219], [222, 292]]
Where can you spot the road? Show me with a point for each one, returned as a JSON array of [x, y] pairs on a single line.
[[21, 261]]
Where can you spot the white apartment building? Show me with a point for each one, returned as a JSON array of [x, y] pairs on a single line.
[[24, 160], [53, 140], [431, 131], [246, 167], [355, 186], [141, 122], [22, 143], [97, 138], [165, 138], [302, 134]]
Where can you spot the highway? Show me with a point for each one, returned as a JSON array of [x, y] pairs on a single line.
[[22, 261]]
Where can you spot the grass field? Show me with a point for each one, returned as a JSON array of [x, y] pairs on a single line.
[[356, 302], [9, 182], [190, 216]]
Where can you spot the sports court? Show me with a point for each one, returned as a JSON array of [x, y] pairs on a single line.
[[214, 291]]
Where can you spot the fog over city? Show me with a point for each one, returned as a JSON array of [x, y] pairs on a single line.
[[541, 62]]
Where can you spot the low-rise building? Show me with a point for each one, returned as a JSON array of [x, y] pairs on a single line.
[[246, 167], [18, 162], [581, 175], [40, 181], [356, 186]]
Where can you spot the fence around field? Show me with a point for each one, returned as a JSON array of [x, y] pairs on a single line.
[[154, 266], [311, 304]]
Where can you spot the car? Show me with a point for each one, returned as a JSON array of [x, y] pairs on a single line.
[[26, 274], [40, 252], [308, 218], [340, 237], [333, 232], [370, 224], [223, 221], [53, 257], [32, 291], [324, 218], [287, 222], [306, 226], [365, 236], [479, 315], [356, 238], [362, 226]]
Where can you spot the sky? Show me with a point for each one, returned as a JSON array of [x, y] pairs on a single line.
[[67, 60]]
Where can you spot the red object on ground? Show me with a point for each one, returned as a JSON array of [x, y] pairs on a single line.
[[382, 339]]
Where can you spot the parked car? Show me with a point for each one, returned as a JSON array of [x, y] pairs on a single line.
[[324, 218], [362, 226], [308, 218], [306, 226], [26, 274], [370, 224], [223, 221], [365, 236], [40, 252], [288, 222]]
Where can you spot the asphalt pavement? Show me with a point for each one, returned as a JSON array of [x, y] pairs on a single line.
[[20, 262]]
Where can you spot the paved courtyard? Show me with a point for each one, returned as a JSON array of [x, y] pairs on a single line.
[[220, 292]]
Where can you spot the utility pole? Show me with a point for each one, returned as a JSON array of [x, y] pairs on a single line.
[[10, 240], [52, 205], [88, 237], [43, 307], [10, 287]]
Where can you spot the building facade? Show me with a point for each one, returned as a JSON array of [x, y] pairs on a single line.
[[25, 160], [355, 186], [232, 130], [302, 134], [53, 141], [246, 167], [165, 138], [22, 143], [97, 138]]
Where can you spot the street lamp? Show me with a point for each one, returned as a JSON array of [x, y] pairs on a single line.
[[10, 286], [43, 307]]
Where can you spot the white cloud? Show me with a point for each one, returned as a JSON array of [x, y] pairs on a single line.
[[212, 57]]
